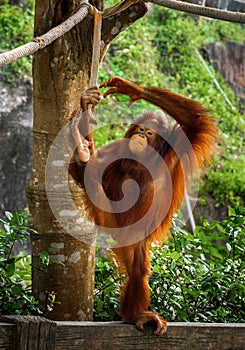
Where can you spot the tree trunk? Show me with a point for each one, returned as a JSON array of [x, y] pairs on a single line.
[[61, 72]]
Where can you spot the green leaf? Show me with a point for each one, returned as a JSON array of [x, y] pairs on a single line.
[[231, 211], [44, 258], [173, 265], [10, 268], [175, 256], [17, 289], [228, 247]]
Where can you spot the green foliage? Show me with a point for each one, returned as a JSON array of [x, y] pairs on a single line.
[[201, 277], [198, 277], [15, 270], [134, 46], [162, 50], [226, 180], [107, 291], [178, 38], [16, 28]]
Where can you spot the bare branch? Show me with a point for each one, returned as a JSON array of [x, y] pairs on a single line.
[[115, 24]]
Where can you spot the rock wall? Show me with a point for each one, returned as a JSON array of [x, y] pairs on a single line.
[[231, 5], [229, 61], [15, 144]]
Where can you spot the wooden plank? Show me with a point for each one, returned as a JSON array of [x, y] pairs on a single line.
[[7, 336], [32, 332], [119, 336]]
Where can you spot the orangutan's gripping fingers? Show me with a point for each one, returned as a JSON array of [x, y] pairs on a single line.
[[124, 87], [149, 317], [90, 99], [112, 90], [161, 326], [121, 85], [83, 152], [108, 83], [86, 143], [90, 96]]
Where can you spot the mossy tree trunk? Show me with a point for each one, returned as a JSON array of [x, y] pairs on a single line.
[[61, 72]]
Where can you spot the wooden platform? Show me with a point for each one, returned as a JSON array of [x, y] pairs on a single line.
[[36, 333]]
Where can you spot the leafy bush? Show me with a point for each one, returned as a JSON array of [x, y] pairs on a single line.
[[198, 277], [15, 270], [107, 289], [201, 277], [16, 28]]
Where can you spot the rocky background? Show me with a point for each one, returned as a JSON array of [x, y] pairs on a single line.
[[16, 116], [15, 144], [230, 5], [229, 60]]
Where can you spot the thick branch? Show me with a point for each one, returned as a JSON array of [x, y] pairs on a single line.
[[115, 24]]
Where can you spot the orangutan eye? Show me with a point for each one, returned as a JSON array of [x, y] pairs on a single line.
[[141, 129], [149, 133]]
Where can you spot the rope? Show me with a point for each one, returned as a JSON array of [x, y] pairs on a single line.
[[95, 57], [56, 32], [223, 15], [88, 117], [96, 48], [86, 9], [46, 39]]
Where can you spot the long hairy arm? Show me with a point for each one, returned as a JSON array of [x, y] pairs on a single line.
[[192, 117]]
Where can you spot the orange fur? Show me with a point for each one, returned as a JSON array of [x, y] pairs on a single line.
[[183, 158]]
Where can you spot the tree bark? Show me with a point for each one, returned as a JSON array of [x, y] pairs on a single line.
[[61, 71]]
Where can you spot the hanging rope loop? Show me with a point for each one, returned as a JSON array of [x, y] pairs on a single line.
[[95, 57], [90, 8], [47, 38], [96, 47]]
